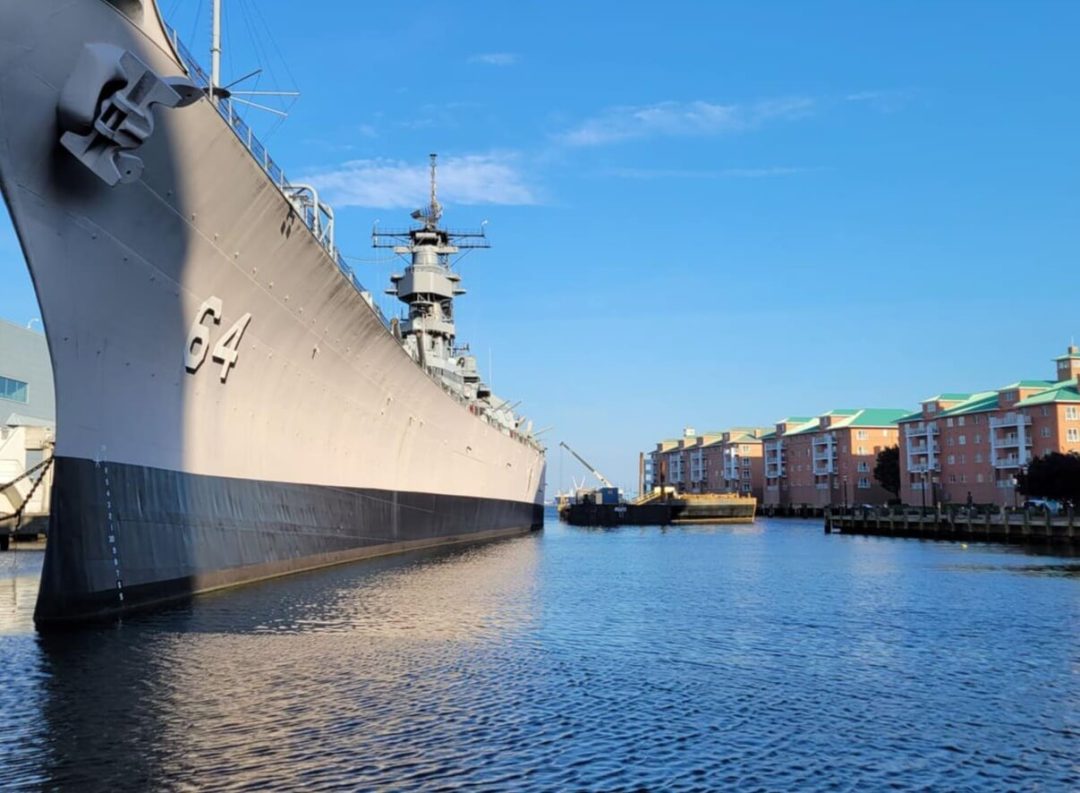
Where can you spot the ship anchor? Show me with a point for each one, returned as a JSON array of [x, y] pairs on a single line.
[[103, 127]]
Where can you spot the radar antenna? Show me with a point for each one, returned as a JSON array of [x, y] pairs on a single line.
[[432, 214]]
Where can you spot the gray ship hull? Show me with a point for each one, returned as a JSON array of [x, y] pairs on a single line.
[[125, 537], [307, 438]]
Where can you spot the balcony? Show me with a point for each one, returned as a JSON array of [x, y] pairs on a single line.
[[1010, 420], [920, 430], [922, 468], [1011, 440], [1012, 461], [923, 448], [824, 468]]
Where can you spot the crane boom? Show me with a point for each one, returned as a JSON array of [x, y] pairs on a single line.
[[603, 479]]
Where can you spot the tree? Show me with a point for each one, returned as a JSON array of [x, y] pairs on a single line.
[[1054, 475], [887, 469]]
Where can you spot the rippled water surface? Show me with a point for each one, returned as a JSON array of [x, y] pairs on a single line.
[[770, 657]]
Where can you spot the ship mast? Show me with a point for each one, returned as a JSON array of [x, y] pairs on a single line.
[[215, 52], [435, 211]]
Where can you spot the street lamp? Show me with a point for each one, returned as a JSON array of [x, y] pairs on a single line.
[[1014, 481]]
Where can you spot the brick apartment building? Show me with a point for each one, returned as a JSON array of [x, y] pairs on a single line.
[[709, 462], [743, 463], [961, 447], [830, 460], [777, 490]]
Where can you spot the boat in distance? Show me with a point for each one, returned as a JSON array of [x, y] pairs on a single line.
[[231, 404], [663, 506]]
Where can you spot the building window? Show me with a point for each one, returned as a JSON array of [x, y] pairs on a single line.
[[963, 440], [861, 435], [862, 450], [979, 478], [864, 483], [978, 438], [963, 478], [960, 421], [952, 459], [1072, 413], [931, 408], [864, 466], [948, 422], [1046, 432], [951, 439], [15, 390], [979, 457], [1045, 410], [1073, 435], [952, 478]]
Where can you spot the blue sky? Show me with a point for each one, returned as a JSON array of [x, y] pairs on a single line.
[[709, 214]]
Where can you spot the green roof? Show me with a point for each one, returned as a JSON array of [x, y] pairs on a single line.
[[1067, 356], [795, 420], [877, 417], [982, 401], [1027, 384], [948, 398], [1065, 391], [916, 416], [768, 436], [810, 426], [744, 437]]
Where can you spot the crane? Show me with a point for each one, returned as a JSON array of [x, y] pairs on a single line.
[[603, 479]]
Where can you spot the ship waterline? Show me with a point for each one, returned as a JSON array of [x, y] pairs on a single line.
[[229, 405]]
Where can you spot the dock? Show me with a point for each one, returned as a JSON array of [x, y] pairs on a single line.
[[1007, 526]]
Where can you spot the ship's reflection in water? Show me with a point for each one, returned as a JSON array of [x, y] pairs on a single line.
[[630, 659]]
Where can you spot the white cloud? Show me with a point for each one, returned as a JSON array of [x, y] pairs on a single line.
[[673, 119], [471, 179], [882, 101], [495, 58]]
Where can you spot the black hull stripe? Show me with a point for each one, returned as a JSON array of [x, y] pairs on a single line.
[[124, 537]]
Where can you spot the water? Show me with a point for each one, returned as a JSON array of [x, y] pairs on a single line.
[[770, 657]]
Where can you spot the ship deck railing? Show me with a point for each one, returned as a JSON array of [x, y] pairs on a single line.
[[261, 155]]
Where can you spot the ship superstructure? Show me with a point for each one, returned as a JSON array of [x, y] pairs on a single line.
[[230, 402], [428, 287]]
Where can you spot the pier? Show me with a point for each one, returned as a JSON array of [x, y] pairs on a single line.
[[1010, 526]]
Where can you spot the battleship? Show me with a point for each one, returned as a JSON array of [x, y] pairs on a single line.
[[231, 403]]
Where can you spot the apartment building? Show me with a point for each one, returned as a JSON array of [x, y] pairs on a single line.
[[743, 462], [674, 461], [708, 462], [777, 489], [830, 460], [704, 459], [971, 447]]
